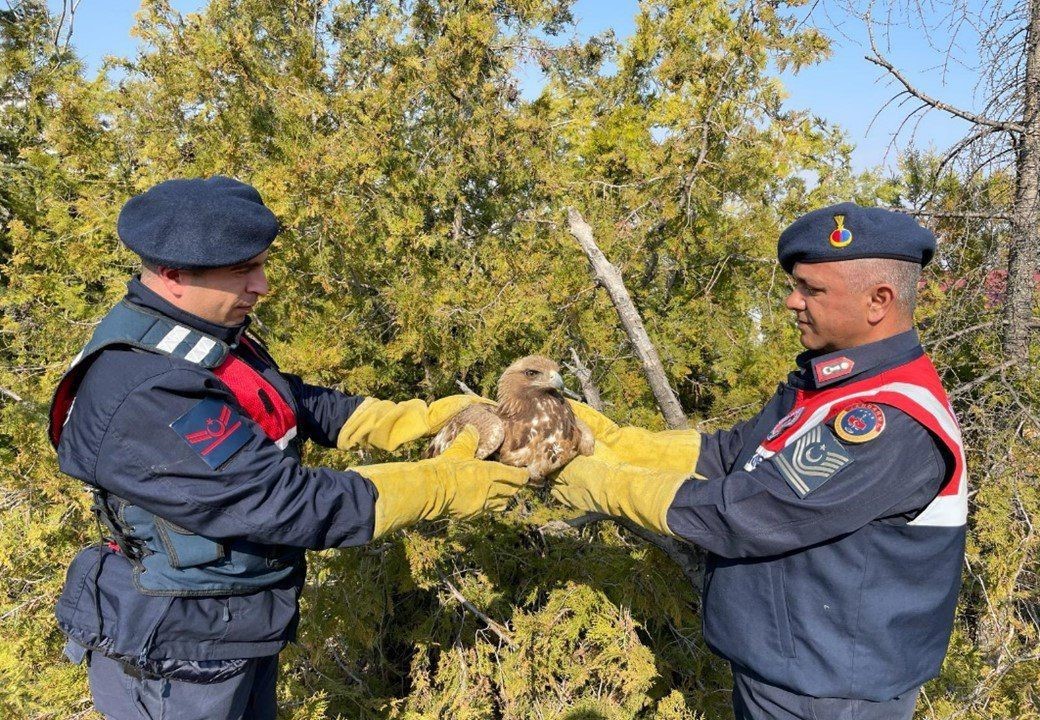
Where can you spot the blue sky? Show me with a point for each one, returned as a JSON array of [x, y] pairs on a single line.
[[845, 89]]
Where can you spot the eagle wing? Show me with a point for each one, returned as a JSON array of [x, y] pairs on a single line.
[[489, 427], [586, 440]]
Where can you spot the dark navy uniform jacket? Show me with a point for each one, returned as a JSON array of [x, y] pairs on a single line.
[[834, 593], [118, 437]]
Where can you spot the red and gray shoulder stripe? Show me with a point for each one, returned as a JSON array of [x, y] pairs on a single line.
[[913, 388]]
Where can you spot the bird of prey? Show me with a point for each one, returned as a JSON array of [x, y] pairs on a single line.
[[532, 426]]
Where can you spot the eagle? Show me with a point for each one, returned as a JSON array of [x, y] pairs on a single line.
[[532, 426]]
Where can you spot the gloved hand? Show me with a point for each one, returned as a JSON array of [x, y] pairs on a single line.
[[641, 494], [453, 484], [388, 425], [670, 450]]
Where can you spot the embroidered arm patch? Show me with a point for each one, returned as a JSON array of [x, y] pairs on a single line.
[[213, 430], [811, 460]]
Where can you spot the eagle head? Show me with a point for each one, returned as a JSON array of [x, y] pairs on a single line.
[[529, 375]]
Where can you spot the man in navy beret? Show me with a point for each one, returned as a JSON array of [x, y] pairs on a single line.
[[188, 435], [834, 519]]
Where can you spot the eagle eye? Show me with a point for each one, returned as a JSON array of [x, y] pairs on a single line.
[[531, 373]]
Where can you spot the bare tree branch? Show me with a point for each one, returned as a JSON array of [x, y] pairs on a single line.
[[610, 278], [494, 626], [965, 387], [962, 145], [11, 394], [881, 61], [584, 375], [465, 388], [688, 557], [956, 214]]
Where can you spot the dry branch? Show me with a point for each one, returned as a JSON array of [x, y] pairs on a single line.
[[956, 214], [584, 375], [881, 61], [11, 394], [494, 626], [688, 557], [465, 388], [1020, 87], [610, 278]]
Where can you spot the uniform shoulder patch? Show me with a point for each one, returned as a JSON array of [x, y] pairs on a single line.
[[213, 430], [860, 423], [811, 460]]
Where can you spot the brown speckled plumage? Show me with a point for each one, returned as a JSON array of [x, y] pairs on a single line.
[[532, 426]]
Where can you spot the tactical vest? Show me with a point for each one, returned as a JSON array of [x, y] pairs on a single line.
[[168, 559]]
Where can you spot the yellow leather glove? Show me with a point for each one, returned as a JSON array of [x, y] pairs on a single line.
[[672, 450], [454, 484], [641, 494], [388, 425]]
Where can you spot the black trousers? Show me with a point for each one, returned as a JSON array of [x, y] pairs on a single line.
[[119, 696], [756, 700]]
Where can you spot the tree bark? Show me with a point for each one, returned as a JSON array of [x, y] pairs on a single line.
[[1022, 245], [610, 278]]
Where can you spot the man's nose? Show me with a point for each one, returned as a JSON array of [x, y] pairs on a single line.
[[258, 283], [794, 300]]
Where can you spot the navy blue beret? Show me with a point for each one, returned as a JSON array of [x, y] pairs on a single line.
[[847, 231], [197, 223]]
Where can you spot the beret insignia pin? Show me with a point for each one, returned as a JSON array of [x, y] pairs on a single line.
[[859, 423], [841, 236]]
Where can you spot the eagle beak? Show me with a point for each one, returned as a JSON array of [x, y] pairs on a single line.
[[557, 381]]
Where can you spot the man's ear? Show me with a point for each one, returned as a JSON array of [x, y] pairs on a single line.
[[881, 302], [173, 279]]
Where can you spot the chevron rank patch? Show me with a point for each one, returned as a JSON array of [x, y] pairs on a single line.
[[213, 430], [811, 460]]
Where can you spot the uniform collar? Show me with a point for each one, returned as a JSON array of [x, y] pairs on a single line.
[[820, 371], [139, 294]]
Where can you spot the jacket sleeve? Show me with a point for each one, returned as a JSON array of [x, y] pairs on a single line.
[[151, 455], [758, 513], [321, 411], [720, 449]]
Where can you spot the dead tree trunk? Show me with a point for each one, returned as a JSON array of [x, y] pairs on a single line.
[[610, 278], [1022, 245], [1023, 129]]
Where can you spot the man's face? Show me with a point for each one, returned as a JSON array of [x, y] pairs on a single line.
[[831, 315], [224, 295]]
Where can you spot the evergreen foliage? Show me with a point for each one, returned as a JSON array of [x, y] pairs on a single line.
[[422, 204]]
